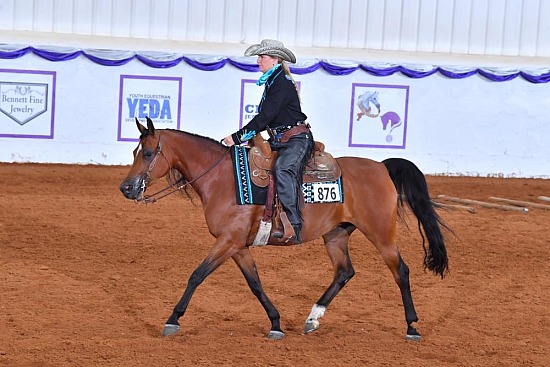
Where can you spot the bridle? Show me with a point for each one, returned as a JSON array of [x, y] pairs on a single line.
[[373, 115], [173, 187]]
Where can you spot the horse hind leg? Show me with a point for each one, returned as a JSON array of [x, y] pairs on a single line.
[[400, 272], [336, 244], [406, 296]]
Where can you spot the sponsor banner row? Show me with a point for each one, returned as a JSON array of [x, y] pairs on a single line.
[[378, 112], [82, 112]]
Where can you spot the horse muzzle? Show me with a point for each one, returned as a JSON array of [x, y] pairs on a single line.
[[133, 188]]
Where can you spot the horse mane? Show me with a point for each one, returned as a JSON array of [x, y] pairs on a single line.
[[201, 137], [175, 178], [210, 140]]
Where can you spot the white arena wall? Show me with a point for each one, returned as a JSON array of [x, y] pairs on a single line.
[[455, 126]]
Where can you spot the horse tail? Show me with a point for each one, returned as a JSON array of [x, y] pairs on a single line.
[[412, 187]]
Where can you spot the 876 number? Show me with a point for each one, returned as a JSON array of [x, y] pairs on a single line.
[[326, 193]]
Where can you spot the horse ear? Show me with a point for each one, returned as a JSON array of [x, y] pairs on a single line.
[[140, 127], [150, 126]]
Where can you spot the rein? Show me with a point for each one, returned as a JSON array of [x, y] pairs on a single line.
[[373, 115], [147, 199]]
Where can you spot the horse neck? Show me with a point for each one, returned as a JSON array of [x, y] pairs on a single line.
[[199, 159]]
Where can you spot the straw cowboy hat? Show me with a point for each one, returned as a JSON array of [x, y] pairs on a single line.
[[271, 48]]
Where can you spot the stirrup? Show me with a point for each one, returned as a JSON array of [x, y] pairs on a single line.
[[277, 233], [288, 228]]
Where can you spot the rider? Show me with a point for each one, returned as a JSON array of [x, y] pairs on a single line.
[[281, 115]]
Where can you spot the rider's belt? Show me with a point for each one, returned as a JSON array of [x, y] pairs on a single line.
[[281, 129], [284, 133], [295, 130]]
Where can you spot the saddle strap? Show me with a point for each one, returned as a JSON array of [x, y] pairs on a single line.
[[270, 204]]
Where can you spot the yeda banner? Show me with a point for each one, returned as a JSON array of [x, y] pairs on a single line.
[[156, 97]]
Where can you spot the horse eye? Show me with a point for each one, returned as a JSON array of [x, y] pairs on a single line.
[[147, 154]]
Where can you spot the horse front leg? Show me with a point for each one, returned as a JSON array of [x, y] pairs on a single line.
[[336, 244], [217, 256], [245, 262]]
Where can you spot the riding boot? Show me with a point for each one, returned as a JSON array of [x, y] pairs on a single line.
[[297, 229], [291, 218], [294, 218]]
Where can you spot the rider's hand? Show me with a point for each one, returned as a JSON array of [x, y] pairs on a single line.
[[228, 140]]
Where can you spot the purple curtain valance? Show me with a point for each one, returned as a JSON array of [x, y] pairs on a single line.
[[212, 63]]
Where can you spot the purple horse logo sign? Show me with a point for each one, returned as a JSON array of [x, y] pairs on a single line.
[[23, 102], [378, 117]]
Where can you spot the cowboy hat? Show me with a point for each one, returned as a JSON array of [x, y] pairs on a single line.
[[271, 48]]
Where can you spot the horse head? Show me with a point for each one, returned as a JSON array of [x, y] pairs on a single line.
[[368, 98], [374, 100], [150, 162], [364, 101]]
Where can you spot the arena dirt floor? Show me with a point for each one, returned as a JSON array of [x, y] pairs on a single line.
[[88, 278]]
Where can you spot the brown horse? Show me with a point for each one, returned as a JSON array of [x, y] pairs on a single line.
[[373, 193]]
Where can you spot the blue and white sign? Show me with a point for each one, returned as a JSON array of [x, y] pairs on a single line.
[[156, 97]]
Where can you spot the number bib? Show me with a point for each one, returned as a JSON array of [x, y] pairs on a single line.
[[323, 192]]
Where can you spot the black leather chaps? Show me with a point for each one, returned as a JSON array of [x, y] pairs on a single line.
[[292, 158]]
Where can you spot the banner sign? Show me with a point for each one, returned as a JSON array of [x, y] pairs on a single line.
[[378, 116], [27, 103], [251, 95], [156, 97], [354, 114]]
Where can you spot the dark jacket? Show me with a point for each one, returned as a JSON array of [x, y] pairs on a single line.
[[280, 106]]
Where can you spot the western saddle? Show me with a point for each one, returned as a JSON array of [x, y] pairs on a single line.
[[321, 167]]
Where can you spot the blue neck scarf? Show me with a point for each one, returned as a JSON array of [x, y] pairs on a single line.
[[267, 74]]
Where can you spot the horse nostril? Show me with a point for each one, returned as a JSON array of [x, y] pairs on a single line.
[[125, 188]]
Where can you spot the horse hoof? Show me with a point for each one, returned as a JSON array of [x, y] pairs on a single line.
[[170, 329], [412, 334], [311, 326], [415, 338], [275, 335]]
